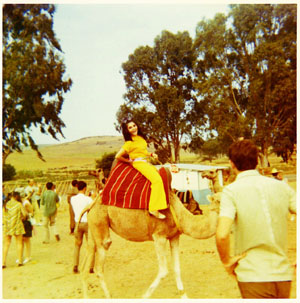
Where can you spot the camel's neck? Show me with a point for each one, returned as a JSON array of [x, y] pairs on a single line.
[[216, 184], [196, 226]]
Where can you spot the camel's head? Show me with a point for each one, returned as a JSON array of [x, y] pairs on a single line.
[[209, 174]]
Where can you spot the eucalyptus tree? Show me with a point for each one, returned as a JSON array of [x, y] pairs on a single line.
[[160, 93], [33, 76], [247, 72]]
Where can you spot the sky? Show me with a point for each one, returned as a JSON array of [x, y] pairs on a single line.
[[96, 38]]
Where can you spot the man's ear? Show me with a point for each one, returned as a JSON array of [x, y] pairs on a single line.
[[233, 166]]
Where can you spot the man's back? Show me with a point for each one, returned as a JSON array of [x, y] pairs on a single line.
[[79, 202], [49, 200], [259, 207]]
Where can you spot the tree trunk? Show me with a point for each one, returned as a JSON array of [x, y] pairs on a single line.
[[4, 157], [177, 153], [263, 156]]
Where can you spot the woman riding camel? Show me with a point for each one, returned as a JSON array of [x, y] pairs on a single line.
[[136, 147]]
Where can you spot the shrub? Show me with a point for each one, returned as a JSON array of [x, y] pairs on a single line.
[[105, 162], [8, 172]]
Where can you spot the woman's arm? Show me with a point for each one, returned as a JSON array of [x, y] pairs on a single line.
[[28, 207], [120, 156], [23, 211]]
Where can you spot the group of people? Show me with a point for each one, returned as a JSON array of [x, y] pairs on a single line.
[[254, 207], [19, 217], [21, 211]]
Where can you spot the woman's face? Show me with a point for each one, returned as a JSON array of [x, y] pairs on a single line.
[[132, 128]]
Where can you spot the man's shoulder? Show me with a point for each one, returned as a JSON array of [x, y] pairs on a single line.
[[81, 197]]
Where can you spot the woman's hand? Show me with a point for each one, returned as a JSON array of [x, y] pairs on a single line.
[[154, 155], [121, 156]]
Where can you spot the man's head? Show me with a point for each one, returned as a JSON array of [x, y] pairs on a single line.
[[243, 154], [74, 183], [81, 185], [49, 185]]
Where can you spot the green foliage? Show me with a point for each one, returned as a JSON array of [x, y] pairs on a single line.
[[209, 149], [160, 94], [106, 162], [8, 172], [247, 76], [33, 76]]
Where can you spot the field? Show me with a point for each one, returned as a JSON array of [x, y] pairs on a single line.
[[130, 267], [77, 154]]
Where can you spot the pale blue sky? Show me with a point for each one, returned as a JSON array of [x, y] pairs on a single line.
[[96, 39]]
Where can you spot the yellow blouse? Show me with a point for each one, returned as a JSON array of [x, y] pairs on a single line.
[[137, 148]]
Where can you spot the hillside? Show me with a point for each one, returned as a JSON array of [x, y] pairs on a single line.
[[81, 155], [76, 154]]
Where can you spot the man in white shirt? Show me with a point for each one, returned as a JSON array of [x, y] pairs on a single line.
[[258, 208], [79, 202]]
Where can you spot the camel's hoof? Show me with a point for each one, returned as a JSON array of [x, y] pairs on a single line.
[[184, 296]]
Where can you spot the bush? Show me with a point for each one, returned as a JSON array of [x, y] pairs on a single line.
[[105, 162], [8, 172]]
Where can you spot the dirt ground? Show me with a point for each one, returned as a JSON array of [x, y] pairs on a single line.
[[130, 268]]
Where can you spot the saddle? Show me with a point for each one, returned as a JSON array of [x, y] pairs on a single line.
[[126, 187]]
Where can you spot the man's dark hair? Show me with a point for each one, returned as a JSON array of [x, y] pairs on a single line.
[[244, 154], [126, 133], [81, 185], [49, 185], [74, 183]]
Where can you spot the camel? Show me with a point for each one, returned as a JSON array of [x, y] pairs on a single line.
[[214, 177], [187, 199], [139, 226], [99, 174], [228, 177]]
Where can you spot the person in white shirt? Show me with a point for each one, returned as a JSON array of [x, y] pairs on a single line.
[[79, 202], [258, 208]]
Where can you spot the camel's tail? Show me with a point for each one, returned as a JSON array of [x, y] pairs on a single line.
[[87, 209]]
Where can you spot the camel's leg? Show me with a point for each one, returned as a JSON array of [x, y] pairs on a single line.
[[98, 241], [100, 233], [87, 264], [174, 245], [100, 273], [160, 248]]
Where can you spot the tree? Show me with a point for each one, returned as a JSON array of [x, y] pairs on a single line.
[[33, 76], [8, 172], [248, 75], [160, 94]]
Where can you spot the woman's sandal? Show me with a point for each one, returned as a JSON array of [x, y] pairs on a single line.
[[157, 214]]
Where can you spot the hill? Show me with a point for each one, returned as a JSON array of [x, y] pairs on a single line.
[[79, 154]]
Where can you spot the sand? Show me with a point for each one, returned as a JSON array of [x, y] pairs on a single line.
[[129, 270]]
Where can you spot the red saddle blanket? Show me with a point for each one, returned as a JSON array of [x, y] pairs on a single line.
[[128, 188]]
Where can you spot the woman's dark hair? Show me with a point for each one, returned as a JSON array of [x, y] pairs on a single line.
[[126, 133], [17, 196], [244, 154]]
